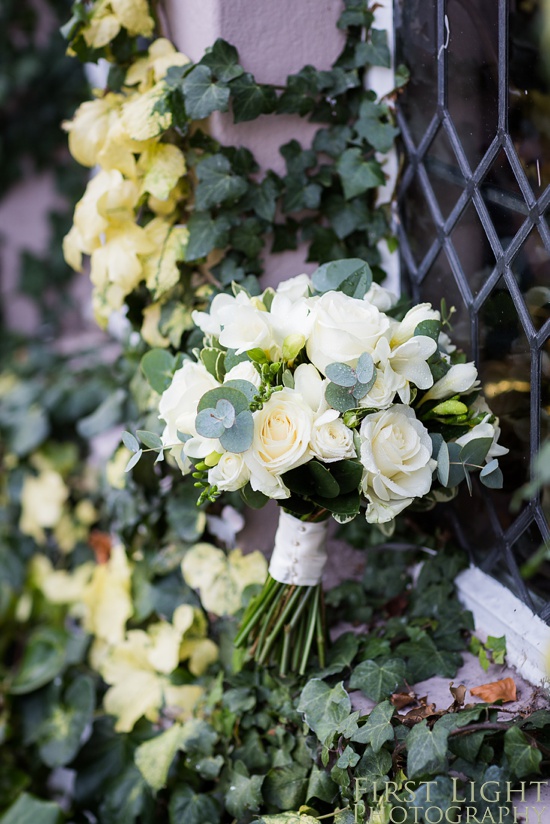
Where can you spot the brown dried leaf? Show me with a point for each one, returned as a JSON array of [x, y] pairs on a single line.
[[504, 690], [101, 544], [458, 693], [402, 699], [417, 714]]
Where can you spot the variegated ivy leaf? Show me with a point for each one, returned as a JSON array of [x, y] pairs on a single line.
[[220, 578]]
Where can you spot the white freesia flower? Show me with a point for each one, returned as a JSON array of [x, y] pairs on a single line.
[[380, 297], [310, 384], [485, 429], [404, 330], [396, 454], [460, 379], [246, 327], [445, 344], [331, 440], [282, 432], [343, 328], [296, 287], [406, 363], [230, 473], [289, 318], [244, 371], [211, 322]]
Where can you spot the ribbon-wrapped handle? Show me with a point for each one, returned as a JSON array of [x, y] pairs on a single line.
[[300, 551]]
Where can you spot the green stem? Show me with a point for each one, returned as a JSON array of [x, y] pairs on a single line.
[[279, 624], [266, 623], [296, 653], [320, 637], [310, 632], [256, 609]]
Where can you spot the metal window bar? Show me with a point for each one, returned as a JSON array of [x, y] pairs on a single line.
[[418, 167]]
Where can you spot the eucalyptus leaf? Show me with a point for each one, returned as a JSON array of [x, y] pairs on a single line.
[[130, 442], [158, 367], [339, 397], [365, 370], [133, 460], [246, 387], [238, 438], [491, 475], [150, 439], [341, 374], [475, 451], [236, 398]]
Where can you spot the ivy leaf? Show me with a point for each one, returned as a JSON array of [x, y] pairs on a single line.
[[217, 182], [250, 99], [402, 76], [373, 769], [358, 175], [202, 95], [61, 733], [154, 757], [299, 95], [373, 127], [43, 659], [262, 198], [30, 810], [324, 708], [206, 233], [341, 654], [192, 808], [158, 367], [426, 750], [352, 276], [285, 787], [376, 52], [378, 681], [223, 60], [244, 793], [522, 756], [378, 728]]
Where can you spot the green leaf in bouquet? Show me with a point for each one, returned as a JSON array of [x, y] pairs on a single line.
[[43, 659], [443, 463], [253, 497], [348, 474], [30, 810], [236, 398], [365, 370], [491, 475], [450, 407], [232, 359], [251, 99], [324, 708], [223, 60], [208, 424], [158, 367], [288, 379], [217, 182], [378, 680], [339, 398], [189, 807], [429, 328], [362, 389], [214, 361], [133, 460], [202, 95], [437, 441], [239, 437], [246, 387], [347, 505], [378, 728], [130, 441], [475, 451], [150, 439], [61, 733], [108, 413], [325, 484], [351, 276], [341, 374]]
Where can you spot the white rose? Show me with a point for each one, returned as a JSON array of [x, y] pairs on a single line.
[[296, 287], [382, 392], [244, 371], [178, 404], [460, 379], [380, 297], [396, 455], [331, 440], [282, 431], [343, 328], [230, 473]]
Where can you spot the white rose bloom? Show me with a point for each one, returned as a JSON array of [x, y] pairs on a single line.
[[343, 328], [244, 371], [380, 297], [460, 379], [404, 330], [331, 440], [485, 430], [382, 392], [396, 454], [178, 404], [230, 473], [310, 384], [296, 287], [282, 431]]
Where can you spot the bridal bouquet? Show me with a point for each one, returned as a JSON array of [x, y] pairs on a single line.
[[323, 395]]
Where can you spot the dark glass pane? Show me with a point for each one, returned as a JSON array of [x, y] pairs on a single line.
[[503, 198], [472, 74], [529, 87], [532, 556], [504, 368], [440, 283], [444, 172], [417, 220], [473, 248], [531, 268], [416, 48]]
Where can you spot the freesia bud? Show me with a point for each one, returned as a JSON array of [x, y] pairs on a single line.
[[461, 378]]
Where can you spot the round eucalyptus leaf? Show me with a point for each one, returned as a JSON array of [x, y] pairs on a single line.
[[239, 437], [208, 424], [225, 412], [365, 368], [341, 374]]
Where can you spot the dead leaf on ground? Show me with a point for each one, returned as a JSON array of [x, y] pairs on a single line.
[[402, 699], [459, 695], [418, 714], [504, 690]]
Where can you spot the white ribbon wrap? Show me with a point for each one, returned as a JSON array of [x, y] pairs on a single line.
[[300, 551]]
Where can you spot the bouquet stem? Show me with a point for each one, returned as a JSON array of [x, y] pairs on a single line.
[[281, 624]]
